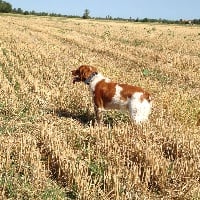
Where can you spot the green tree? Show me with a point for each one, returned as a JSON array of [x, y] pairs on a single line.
[[5, 7], [19, 10], [86, 14]]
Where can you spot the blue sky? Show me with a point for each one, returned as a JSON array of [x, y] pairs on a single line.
[[165, 9]]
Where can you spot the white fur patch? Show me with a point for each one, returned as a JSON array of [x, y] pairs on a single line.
[[117, 102], [139, 110]]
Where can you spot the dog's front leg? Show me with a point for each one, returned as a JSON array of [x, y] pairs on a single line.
[[98, 114]]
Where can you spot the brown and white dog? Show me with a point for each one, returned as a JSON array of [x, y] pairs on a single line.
[[111, 95]]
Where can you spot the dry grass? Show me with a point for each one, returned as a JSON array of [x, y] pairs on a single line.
[[48, 147]]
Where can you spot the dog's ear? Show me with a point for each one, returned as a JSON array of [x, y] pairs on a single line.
[[86, 71], [83, 72]]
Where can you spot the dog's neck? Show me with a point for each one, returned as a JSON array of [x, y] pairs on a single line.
[[97, 78], [89, 79]]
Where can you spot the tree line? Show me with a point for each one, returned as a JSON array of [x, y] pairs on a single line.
[[6, 7]]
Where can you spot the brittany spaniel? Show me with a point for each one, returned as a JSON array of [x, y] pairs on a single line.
[[110, 95]]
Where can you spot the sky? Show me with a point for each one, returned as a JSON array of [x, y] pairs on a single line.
[[155, 9]]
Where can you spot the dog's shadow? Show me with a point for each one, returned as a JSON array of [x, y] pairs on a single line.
[[83, 116]]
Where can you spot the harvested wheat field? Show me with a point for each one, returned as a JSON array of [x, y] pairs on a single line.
[[49, 148]]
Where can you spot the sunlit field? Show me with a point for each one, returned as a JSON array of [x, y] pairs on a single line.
[[49, 147]]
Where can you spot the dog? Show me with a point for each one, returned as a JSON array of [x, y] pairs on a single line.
[[110, 95]]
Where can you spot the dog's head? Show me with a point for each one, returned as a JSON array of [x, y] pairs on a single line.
[[83, 73]]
